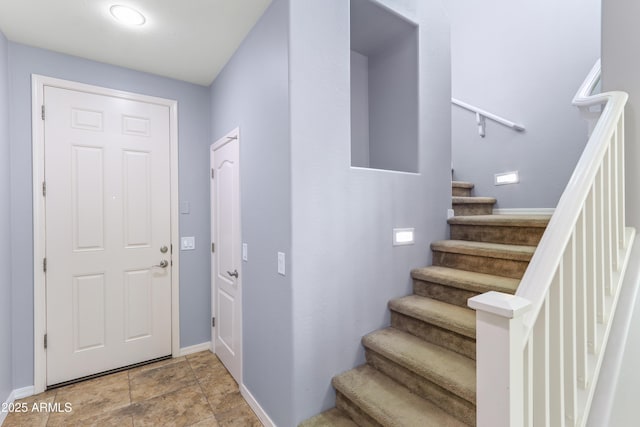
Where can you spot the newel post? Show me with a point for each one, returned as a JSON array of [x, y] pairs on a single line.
[[499, 359]]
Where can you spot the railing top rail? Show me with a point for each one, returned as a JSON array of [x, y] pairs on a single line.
[[542, 268], [584, 96]]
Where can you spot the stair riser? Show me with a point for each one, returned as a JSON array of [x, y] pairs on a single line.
[[481, 264], [356, 413], [434, 334], [460, 192], [457, 406], [529, 236], [472, 209], [443, 293]]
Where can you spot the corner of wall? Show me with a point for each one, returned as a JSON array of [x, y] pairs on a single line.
[[6, 348]]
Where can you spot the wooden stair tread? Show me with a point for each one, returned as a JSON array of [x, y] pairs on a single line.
[[459, 200], [490, 250], [334, 417], [462, 184], [467, 280], [388, 402], [451, 371], [540, 221], [446, 316]]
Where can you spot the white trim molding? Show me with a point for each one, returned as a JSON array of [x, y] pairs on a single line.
[[38, 83], [19, 393], [10, 399], [255, 406], [197, 348]]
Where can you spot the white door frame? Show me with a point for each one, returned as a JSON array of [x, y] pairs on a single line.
[[234, 134], [38, 83]]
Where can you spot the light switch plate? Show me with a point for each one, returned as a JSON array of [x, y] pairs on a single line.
[[244, 252], [188, 243], [281, 263]]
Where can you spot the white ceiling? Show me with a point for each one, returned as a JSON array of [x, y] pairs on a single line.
[[188, 40]]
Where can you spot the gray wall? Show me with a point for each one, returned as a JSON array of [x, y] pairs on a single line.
[[344, 268], [620, 71], [252, 93], [524, 61], [359, 110], [6, 382], [393, 104], [194, 138]]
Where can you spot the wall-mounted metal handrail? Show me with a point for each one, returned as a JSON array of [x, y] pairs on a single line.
[[481, 115]]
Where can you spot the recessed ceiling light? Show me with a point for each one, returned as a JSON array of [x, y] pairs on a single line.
[[127, 15]]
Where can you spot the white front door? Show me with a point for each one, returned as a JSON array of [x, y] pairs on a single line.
[[108, 230], [225, 230]]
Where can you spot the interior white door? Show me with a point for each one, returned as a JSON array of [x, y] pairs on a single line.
[[225, 229], [108, 229]]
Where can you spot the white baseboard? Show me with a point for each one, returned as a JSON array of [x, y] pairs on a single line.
[[524, 211], [195, 348], [16, 394], [255, 406], [7, 402], [21, 393]]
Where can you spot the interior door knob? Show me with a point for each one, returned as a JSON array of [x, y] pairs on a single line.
[[234, 274], [163, 264]]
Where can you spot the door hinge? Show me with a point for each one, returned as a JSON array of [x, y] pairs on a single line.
[[213, 322], [44, 265], [45, 340], [213, 247], [212, 173], [44, 189], [42, 111]]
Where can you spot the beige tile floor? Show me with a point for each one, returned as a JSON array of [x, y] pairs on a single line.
[[195, 390]]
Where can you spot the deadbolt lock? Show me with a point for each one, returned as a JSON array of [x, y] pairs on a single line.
[[164, 249]]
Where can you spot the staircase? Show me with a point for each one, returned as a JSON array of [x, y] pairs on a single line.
[[421, 370]]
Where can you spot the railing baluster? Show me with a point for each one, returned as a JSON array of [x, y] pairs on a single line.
[[581, 301], [615, 201], [599, 244], [541, 367], [591, 276], [607, 236], [606, 224], [556, 348], [569, 328], [528, 382], [621, 178]]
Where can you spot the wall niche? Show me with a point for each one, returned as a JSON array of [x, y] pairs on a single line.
[[384, 88]]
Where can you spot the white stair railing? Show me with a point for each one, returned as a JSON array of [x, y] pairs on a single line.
[[539, 351]]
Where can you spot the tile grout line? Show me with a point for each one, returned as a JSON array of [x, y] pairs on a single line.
[[202, 390]]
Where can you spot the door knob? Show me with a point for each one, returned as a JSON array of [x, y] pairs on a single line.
[[163, 264], [234, 274]]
